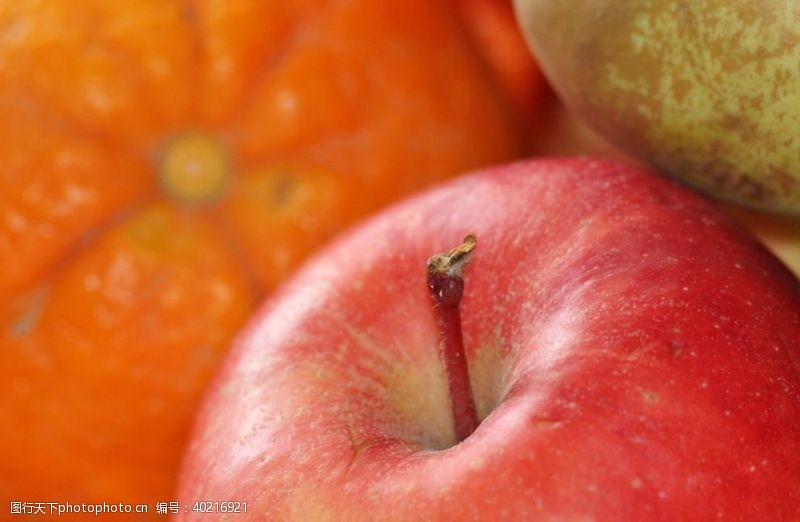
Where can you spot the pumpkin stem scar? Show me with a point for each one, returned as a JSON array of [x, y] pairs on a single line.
[[194, 168]]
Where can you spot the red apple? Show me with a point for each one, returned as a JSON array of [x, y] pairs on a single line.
[[633, 355]]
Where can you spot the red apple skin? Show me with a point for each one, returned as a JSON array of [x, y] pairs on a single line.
[[636, 354]]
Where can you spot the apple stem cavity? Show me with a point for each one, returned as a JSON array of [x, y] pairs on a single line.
[[446, 286]]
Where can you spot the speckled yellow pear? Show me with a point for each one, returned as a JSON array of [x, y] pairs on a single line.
[[709, 92]]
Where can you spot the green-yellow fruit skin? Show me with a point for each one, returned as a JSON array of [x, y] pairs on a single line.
[[708, 92]]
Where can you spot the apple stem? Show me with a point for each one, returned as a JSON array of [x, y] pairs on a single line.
[[446, 286]]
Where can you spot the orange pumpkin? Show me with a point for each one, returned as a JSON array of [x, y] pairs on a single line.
[[163, 164], [500, 41]]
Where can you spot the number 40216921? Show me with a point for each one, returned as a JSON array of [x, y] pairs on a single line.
[[220, 507]]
